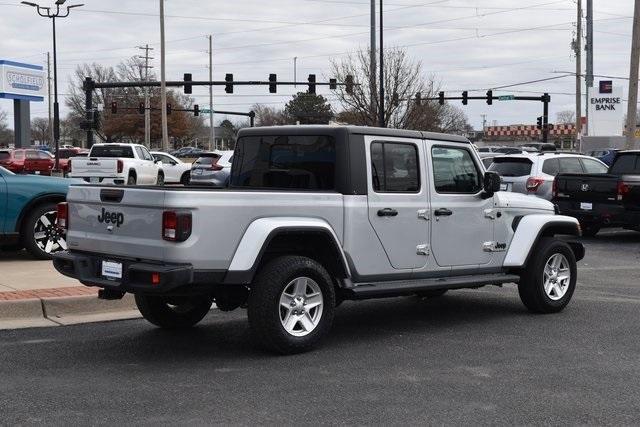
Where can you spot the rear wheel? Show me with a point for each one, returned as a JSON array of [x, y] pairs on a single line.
[[186, 177], [131, 180], [291, 304], [160, 179], [173, 312], [40, 234], [548, 281]]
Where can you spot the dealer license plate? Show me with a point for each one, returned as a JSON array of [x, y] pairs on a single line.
[[505, 187], [586, 206], [112, 270]]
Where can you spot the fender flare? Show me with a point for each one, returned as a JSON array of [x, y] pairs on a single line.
[[260, 232], [530, 228]]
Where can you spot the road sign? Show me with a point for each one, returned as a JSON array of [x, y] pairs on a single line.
[[506, 97], [205, 110]]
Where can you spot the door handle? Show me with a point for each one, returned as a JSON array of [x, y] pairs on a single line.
[[443, 212], [387, 212]]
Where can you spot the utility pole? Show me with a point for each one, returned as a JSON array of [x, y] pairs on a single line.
[[163, 86], [577, 45], [484, 121], [381, 118], [372, 56], [49, 96], [632, 105], [589, 50], [295, 70], [212, 137], [147, 110]]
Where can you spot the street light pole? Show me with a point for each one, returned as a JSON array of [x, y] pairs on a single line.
[[56, 110], [381, 119], [163, 87]]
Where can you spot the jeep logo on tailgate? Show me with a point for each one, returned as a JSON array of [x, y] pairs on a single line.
[[107, 217]]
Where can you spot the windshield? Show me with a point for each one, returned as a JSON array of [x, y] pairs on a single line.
[[511, 166], [112, 151]]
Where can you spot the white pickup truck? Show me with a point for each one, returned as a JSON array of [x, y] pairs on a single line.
[[314, 215], [129, 164]]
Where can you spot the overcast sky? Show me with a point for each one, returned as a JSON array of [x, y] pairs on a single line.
[[467, 44]]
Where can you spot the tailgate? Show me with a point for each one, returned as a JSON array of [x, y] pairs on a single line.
[[587, 187], [119, 222], [94, 167]]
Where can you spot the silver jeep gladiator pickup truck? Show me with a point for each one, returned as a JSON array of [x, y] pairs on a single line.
[[315, 215]]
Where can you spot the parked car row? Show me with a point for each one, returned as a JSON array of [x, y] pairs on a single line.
[[36, 161]]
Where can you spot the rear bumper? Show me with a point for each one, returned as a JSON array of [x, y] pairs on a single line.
[[179, 279], [602, 215]]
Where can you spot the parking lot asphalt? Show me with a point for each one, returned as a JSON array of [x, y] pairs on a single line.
[[470, 357]]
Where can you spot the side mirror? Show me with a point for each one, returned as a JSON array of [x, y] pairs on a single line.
[[491, 183]]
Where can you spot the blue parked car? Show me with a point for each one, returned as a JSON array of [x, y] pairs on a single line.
[[28, 212], [606, 156]]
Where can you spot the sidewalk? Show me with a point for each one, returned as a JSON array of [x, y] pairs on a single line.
[[34, 294]]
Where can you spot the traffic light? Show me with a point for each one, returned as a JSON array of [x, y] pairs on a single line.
[[465, 97], [441, 98], [273, 87], [141, 108], [187, 86], [333, 84], [349, 84], [196, 110], [228, 88], [114, 107], [489, 97], [312, 83], [418, 98], [539, 125], [168, 108]]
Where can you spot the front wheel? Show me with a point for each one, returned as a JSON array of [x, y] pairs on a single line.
[[40, 234], [173, 312], [291, 304], [548, 281]]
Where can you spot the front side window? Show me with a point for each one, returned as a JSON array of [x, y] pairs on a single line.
[[19, 155], [285, 162], [394, 167], [454, 171]]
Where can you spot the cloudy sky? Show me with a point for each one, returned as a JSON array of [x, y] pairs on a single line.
[[466, 44]]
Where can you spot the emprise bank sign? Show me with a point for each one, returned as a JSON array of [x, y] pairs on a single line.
[[606, 110], [22, 81]]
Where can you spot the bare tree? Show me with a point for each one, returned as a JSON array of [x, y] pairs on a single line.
[[566, 117], [270, 116], [6, 134], [403, 80], [40, 129]]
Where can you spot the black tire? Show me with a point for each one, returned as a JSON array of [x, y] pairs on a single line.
[[589, 230], [264, 309], [433, 293], [160, 179], [186, 178], [173, 312], [531, 285], [131, 180], [37, 246]]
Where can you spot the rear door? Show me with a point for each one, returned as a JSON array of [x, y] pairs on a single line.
[[398, 200], [462, 219]]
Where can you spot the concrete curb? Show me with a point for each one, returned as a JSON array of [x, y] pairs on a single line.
[[69, 310]]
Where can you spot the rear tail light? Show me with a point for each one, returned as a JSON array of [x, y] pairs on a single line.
[[63, 216], [69, 166], [120, 166], [216, 168], [623, 190], [176, 226], [534, 183]]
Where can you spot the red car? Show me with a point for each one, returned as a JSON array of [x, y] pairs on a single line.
[[65, 154], [27, 161]]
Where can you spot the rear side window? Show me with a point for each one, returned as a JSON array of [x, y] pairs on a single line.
[[511, 166], [454, 171], [4, 155], [592, 166], [32, 155], [570, 165], [394, 167], [124, 151], [19, 155], [626, 164], [551, 167], [285, 162]]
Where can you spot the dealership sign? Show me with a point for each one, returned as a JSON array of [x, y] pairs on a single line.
[[22, 81], [606, 110]]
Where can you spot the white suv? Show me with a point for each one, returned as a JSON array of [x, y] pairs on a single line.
[[534, 173]]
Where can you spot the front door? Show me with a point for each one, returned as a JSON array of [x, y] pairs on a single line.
[[398, 199], [462, 223]]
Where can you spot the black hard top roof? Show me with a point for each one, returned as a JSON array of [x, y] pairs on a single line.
[[352, 130]]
